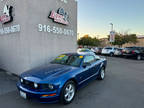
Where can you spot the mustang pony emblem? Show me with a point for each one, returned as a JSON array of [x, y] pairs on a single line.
[[7, 15]]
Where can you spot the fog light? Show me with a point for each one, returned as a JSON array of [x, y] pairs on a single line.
[[35, 85], [51, 86]]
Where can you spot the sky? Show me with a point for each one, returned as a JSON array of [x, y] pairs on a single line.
[[95, 16]]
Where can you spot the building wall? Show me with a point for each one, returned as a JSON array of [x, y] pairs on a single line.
[[140, 43], [31, 47]]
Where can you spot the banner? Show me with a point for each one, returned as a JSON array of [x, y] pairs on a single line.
[[112, 36]]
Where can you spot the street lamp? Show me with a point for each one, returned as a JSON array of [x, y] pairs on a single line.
[[111, 26], [112, 34]]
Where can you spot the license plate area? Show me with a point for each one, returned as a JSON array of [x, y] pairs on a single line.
[[23, 95]]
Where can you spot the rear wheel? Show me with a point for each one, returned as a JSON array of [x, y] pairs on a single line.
[[68, 92], [111, 54], [102, 74], [139, 57]]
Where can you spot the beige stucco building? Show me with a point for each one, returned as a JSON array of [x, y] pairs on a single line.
[[139, 43], [33, 32]]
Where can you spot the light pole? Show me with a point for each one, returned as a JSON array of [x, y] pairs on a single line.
[[111, 26], [112, 34]]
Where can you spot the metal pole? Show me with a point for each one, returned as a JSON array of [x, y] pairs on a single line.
[[111, 30], [111, 26]]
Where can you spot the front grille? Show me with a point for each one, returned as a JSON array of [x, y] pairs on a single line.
[[44, 86], [28, 84]]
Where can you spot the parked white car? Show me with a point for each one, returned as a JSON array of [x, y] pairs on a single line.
[[85, 51], [118, 52], [109, 51]]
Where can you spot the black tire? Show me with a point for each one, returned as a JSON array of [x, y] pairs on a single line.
[[100, 76], [111, 54], [62, 95]]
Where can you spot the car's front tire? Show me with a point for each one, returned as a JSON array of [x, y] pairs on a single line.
[[68, 93], [139, 57], [101, 75]]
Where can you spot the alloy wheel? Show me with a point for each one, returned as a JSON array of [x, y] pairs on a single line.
[[102, 74], [69, 92]]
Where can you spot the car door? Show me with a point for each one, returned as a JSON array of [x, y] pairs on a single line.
[[114, 49], [91, 60], [96, 66], [142, 52], [86, 72], [109, 50]]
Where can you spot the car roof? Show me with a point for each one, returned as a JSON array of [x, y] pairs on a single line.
[[79, 53], [84, 49], [110, 47], [83, 54]]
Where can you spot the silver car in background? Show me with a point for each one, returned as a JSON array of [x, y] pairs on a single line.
[[118, 52], [85, 51], [109, 51]]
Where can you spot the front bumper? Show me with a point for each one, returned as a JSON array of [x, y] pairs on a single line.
[[105, 53], [37, 96], [117, 54]]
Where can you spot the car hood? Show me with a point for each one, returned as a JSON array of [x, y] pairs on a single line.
[[52, 70]]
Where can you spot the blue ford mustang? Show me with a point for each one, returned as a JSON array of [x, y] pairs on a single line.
[[59, 80]]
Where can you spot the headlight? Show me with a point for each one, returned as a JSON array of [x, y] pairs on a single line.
[[35, 85], [51, 86], [21, 80]]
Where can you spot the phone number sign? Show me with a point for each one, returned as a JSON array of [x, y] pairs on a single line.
[[55, 30]]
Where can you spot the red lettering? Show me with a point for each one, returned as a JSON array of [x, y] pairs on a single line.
[[4, 18], [58, 18]]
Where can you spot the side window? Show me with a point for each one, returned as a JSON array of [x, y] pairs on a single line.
[[97, 58], [108, 48], [143, 49], [140, 49], [115, 48], [89, 59]]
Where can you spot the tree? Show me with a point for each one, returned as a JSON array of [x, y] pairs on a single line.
[[119, 40], [132, 38], [123, 39], [86, 40], [96, 42]]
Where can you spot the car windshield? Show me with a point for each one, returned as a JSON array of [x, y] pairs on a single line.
[[131, 48], [72, 60], [119, 49], [108, 48], [84, 50]]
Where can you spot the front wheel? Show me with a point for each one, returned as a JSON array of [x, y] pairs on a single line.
[[138, 57], [68, 92], [101, 74]]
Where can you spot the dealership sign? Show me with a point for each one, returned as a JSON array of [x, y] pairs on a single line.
[[11, 29], [7, 15], [60, 16], [112, 36]]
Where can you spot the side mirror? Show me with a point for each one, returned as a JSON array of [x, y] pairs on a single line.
[[86, 64]]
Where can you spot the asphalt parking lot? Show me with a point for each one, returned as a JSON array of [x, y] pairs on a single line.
[[123, 87]]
